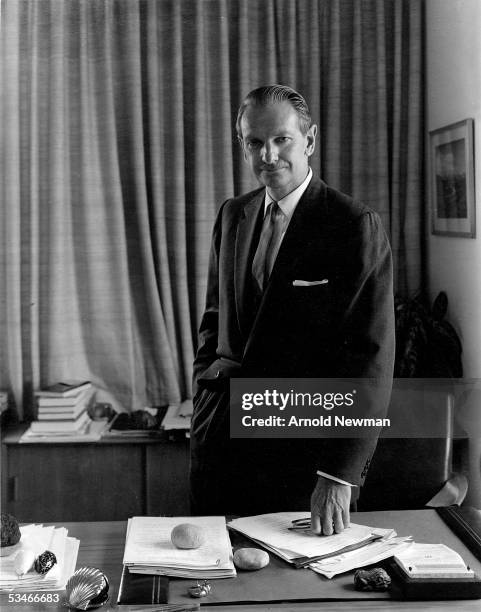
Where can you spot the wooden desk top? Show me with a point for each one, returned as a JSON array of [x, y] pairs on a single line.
[[102, 546]]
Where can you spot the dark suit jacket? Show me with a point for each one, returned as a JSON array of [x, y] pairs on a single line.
[[343, 328]]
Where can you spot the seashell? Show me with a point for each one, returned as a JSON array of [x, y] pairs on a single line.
[[88, 588], [201, 589], [23, 561]]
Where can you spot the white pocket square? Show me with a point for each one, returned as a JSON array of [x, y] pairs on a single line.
[[303, 283]]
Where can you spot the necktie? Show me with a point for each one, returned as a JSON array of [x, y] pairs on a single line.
[[268, 246]]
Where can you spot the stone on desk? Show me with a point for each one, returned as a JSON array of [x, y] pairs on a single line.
[[250, 558]]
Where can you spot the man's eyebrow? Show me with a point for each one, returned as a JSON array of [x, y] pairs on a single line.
[[280, 134]]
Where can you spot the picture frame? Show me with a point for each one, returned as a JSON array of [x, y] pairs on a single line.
[[451, 151]]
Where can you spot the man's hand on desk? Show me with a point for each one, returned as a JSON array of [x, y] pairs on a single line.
[[330, 507]]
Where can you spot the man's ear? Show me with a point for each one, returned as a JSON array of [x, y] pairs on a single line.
[[311, 140], [241, 144]]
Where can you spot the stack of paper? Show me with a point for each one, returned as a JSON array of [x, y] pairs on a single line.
[[272, 531], [367, 555], [39, 539], [149, 550]]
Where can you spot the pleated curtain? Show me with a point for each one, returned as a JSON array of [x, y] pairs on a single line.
[[118, 147]]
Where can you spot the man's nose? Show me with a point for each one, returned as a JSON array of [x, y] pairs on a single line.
[[269, 154]]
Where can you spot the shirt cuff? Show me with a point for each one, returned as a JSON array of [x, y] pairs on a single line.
[[329, 477]]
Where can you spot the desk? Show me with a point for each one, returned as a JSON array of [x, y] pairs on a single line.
[[102, 545]]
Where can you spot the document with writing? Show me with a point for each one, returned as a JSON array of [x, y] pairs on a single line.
[[274, 531], [149, 549]]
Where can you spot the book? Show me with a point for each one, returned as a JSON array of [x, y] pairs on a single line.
[[432, 561], [46, 404], [432, 589], [70, 425], [63, 389], [60, 413], [91, 432]]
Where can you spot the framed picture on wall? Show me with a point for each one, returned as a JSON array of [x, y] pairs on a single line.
[[452, 180]]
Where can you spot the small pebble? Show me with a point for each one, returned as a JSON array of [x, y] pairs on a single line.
[[187, 536], [250, 558]]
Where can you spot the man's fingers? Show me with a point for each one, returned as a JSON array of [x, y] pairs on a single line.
[[315, 518], [330, 507], [327, 522], [315, 521], [338, 521]]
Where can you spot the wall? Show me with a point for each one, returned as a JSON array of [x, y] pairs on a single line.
[[453, 66]]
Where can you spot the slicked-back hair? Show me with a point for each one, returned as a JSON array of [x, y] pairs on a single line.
[[274, 94]]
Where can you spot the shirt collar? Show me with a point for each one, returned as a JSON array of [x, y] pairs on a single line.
[[289, 202]]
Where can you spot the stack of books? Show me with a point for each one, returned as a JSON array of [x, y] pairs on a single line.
[[63, 409]]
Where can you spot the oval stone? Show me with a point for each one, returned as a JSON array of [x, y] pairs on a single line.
[[187, 535], [250, 558]]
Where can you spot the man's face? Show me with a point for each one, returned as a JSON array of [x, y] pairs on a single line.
[[275, 148]]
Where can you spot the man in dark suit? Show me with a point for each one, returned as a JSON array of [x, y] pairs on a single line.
[[299, 285]]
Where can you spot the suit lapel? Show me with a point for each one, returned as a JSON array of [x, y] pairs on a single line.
[[244, 245]]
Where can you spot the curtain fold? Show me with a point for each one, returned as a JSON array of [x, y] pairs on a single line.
[[118, 147]]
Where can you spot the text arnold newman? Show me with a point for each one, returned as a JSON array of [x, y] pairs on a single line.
[[322, 421]]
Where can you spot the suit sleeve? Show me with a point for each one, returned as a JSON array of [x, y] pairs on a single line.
[[367, 345], [209, 326]]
